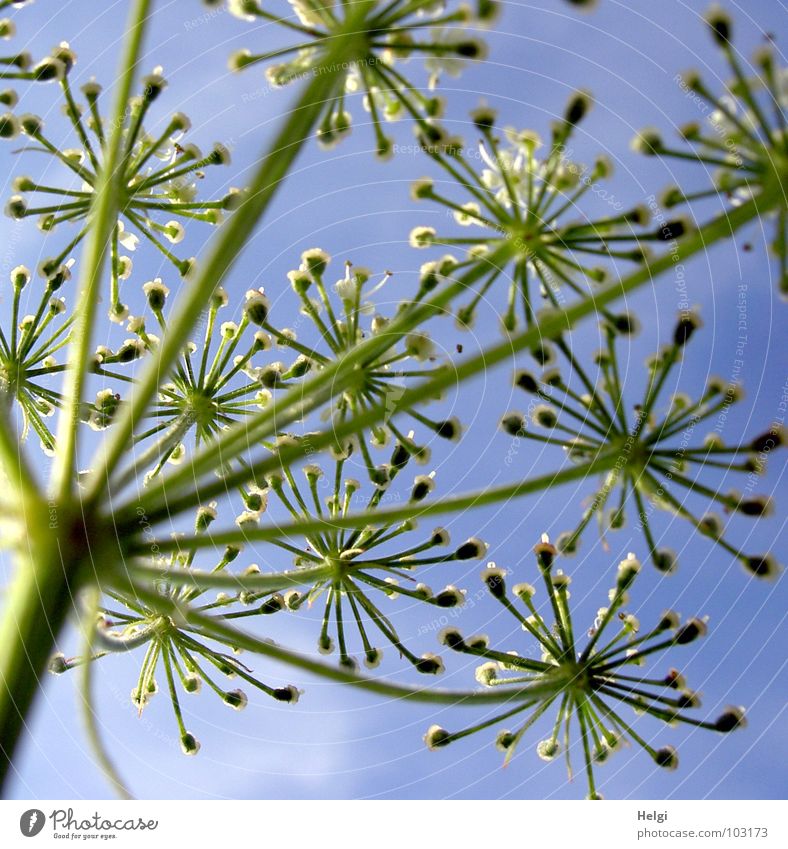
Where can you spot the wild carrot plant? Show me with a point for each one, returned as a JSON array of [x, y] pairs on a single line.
[[253, 450]]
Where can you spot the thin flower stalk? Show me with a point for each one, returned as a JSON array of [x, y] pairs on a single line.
[[534, 203], [158, 178], [391, 32], [656, 446], [743, 142]]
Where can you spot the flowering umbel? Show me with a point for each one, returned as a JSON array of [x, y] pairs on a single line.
[[343, 316], [650, 451], [218, 379], [525, 204], [387, 33], [590, 686], [743, 140], [158, 186], [349, 570], [185, 657]]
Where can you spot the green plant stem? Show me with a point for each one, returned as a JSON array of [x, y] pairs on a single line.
[[38, 601], [232, 636], [268, 178], [335, 378], [49, 560], [170, 494], [87, 702], [383, 516], [104, 217]]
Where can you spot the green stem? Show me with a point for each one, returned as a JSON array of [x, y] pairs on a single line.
[[219, 630], [256, 427], [383, 517], [47, 562], [232, 238]]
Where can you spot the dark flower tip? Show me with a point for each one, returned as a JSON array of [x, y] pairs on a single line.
[[685, 327], [545, 554], [690, 631], [526, 381], [768, 441], [666, 757], [762, 566], [731, 719], [720, 25]]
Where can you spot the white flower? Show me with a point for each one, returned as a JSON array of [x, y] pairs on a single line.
[[128, 240]]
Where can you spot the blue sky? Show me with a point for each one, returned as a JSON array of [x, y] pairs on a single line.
[[341, 744]]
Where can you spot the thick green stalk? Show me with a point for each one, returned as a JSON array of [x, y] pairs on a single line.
[[177, 489], [54, 544], [335, 378], [103, 219], [228, 634], [383, 516], [38, 601], [232, 238]]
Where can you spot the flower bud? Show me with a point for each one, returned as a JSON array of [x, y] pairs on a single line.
[[494, 579], [666, 757], [16, 207], [690, 631], [422, 487], [420, 237], [505, 740], [236, 699], [450, 597], [578, 107], [449, 428], [153, 85], [731, 719], [665, 560], [429, 664], [719, 23], [513, 423], [20, 277], [190, 745], [156, 293], [9, 126], [451, 638], [762, 566], [440, 536], [486, 674], [545, 554], [544, 416], [436, 737], [58, 664], [687, 324], [49, 69], [205, 515], [256, 307], [548, 749], [669, 621], [648, 141], [471, 549], [758, 505], [272, 605], [315, 261], [772, 438], [422, 189]]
